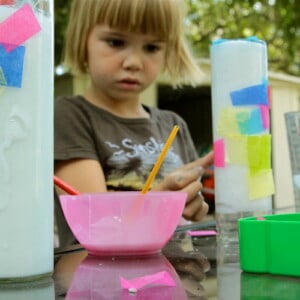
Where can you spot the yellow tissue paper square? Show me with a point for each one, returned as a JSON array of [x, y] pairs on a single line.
[[227, 124], [259, 152], [236, 147], [260, 184]]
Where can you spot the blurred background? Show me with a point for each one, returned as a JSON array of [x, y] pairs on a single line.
[[277, 22]]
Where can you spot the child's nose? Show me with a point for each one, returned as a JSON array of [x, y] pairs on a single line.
[[133, 60]]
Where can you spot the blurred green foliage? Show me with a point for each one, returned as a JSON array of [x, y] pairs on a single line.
[[60, 22], [275, 21]]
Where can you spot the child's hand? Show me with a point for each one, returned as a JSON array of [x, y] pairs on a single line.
[[187, 179]]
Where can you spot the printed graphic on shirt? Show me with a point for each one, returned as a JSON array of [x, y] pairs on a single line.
[[130, 164]]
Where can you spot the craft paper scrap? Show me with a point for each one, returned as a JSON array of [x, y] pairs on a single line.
[[264, 110], [260, 184], [236, 150], [269, 95], [2, 77], [219, 153], [11, 64], [18, 27], [201, 233], [227, 124], [7, 2], [259, 152], [160, 278], [250, 121], [253, 95]]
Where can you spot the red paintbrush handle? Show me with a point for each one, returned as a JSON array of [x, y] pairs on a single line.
[[64, 186]]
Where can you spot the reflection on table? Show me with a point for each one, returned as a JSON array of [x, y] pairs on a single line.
[[100, 278], [201, 268], [42, 289], [265, 286], [210, 269]]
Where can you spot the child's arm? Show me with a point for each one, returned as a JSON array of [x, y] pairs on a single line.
[[85, 175]]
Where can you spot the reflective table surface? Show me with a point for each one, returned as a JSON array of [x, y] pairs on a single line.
[[188, 261], [189, 267]]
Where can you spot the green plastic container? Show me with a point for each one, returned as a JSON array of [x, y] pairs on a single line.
[[267, 286], [271, 245]]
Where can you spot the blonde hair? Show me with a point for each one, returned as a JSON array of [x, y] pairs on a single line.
[[162, 18]]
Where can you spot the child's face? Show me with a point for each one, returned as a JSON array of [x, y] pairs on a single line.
[[122, 64]]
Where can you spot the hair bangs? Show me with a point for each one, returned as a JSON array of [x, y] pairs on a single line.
[[161, 18], [156, 17]]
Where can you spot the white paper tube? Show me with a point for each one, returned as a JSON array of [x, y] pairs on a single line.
[[237, 65], [26, 140]]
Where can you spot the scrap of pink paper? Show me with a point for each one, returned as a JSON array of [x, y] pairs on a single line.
[[201, 232], [264, 110], [18, 27], [219, 153], [160, 278], [7, 2], [269, 93]]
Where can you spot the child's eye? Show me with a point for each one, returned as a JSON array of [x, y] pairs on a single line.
[[152, 48], [115, 43]]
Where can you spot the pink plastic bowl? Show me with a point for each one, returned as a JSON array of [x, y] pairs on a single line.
[[123, 223]]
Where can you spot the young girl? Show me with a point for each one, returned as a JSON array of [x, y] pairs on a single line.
[[106, 139]]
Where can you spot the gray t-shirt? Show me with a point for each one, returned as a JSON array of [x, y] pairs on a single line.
[[126, 148]]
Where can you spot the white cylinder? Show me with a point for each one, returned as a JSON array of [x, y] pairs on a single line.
[[242, 142], [26, 140]]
